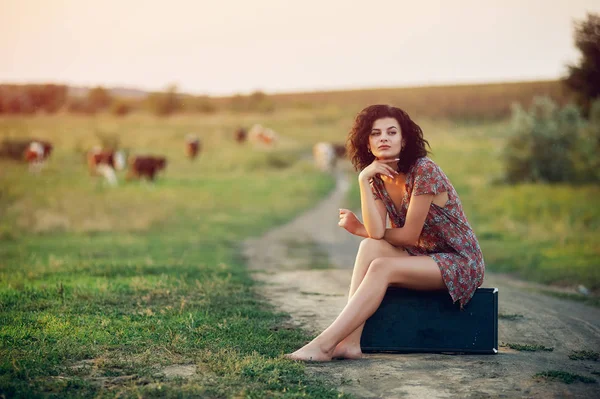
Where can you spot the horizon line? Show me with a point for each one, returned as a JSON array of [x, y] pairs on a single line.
[[292, 91]]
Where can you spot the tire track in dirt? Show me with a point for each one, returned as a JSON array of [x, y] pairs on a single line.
[[314, 298]]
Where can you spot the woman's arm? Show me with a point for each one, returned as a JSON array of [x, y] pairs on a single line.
[[361, 231], [350, 222], [415, 219], [373, 211]]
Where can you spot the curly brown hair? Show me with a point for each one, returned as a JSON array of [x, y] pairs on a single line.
[[413, 142]]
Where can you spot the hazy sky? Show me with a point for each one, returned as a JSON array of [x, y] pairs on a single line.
[[237, 46]]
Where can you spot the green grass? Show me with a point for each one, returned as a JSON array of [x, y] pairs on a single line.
[[510, 316], [584, 355], [588, 300], [102, 288], [563, 376], [528, 347]]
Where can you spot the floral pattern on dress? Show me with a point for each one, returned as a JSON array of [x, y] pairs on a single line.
[[447, 236]]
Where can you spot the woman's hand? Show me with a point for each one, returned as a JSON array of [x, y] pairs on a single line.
[[379, 166], [350, 222]]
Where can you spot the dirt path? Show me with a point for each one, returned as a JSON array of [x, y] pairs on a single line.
[[284, 260]]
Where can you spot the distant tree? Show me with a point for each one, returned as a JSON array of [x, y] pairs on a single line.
[[78, 105], [165, 103], [120, 107], [204, 104], [584, 79], [257, 101], [55, 97], [48, 97], [28, 99], [237, 103], [99, 98]]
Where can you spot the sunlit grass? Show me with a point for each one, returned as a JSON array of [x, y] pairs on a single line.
[[102, 287]]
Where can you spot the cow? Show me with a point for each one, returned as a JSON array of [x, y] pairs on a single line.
[[36, 153], [240, 135], [327, 154], [324, 156], [104, 162], [192, 146], [16, 149], [262, 135], [145, 166], [340, 150]]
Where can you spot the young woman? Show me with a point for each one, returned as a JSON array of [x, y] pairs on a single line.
[[430, 245]]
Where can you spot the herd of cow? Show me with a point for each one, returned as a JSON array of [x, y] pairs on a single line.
[[105, 161]]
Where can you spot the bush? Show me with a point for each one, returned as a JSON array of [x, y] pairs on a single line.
[[552, 144], [587, 157], [120, 107]]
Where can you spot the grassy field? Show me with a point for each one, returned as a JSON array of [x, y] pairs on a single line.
[[102, 289], [479, 102]]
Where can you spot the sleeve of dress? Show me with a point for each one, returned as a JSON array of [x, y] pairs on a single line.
[[428, 178], [374, 190]]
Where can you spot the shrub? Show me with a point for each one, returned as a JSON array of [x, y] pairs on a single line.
[[120, 107], [587, 156], [552, 144]]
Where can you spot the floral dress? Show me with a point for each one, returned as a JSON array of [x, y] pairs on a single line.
[[447, 236]]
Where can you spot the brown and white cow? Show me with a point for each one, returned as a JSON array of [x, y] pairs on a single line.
[[259, 134], [324, 156], [36, 153], [17, 149], [104, 162], [145, 166], [327, 154], [193, 146]]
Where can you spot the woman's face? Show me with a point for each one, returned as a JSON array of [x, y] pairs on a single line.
[[385, 139]]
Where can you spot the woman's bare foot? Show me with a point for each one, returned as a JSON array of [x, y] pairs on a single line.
[[310, 352], [347, 351]]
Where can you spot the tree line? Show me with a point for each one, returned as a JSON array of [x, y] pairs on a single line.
[[52, 98]]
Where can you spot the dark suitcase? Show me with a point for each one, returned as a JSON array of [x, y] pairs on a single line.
[[426, 321]]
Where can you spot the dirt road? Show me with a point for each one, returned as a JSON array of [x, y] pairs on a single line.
[[285, 258]]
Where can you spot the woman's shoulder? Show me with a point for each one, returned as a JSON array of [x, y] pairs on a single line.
[[423, 164]]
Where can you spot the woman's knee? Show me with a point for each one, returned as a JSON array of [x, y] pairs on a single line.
[[371, 245], [378, 267]]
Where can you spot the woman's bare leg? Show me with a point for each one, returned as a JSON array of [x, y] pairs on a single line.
[[369, 250], [415, 272]]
